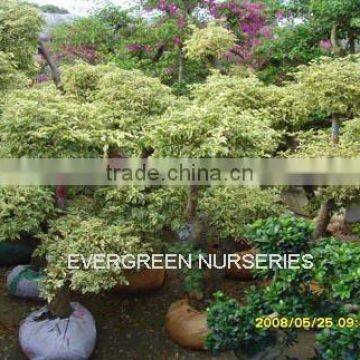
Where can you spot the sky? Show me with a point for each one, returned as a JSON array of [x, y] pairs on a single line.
[[82, 7]]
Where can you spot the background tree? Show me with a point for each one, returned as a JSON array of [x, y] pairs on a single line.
[[306, 30], [20, 26]]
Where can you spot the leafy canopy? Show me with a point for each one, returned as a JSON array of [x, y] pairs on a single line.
[[24, 210], [210, 42]]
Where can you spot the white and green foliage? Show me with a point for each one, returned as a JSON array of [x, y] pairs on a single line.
[[351, 135], [24, 210], [125, 101], [129, 93], [81, 80], [75, 234], [210, 42], [230, 209], [9, 76], [103, 110], [151, 210], [245, 91], [108, 220], [20, 25], [43, 123], [331, 86], [213, 131], [128, 101], [326, 88], [314, 143]]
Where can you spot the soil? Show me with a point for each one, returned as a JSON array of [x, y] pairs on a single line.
[[129, 327]]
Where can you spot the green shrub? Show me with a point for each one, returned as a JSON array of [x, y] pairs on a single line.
[[339, 342], [233, 326], [335, 273], [281, 235], [193, 278], [337, 267]]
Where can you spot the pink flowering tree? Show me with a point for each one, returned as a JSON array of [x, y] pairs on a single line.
[[250, 24], [177, 19], [174, 19]]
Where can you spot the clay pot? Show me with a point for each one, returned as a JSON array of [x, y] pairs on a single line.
[[314, 288], [240, 274], [186, 326], [142, 281]]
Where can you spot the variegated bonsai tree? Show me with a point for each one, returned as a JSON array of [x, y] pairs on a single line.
[[92, 117], [209, 130], [23, 211], [315, 143], [330, 86]]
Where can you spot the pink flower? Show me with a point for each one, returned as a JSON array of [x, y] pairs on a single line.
[[177, 41], [181, 22], [280, 15], [134, 47], [325, 44], [172, 9], [42, 78], [162, 5], [85, 52], [266, 31], [169, 70]]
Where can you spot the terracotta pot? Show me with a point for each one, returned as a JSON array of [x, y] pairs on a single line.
[[240, 274], [142, 281], [314, 288], [186, 326]]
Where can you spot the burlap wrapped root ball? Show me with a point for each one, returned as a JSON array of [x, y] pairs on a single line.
[[22, 281], [45, 338]]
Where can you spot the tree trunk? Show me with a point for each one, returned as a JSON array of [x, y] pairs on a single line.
[[334, 40], [191, 207], [323, 219], [181, 66], [215, 63], [309, 190], [37, 263], [352, 42], [55, 72], [60, 305], [60, 195], [335, 130]]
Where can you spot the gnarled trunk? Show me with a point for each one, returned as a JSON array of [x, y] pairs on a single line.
[[192, 202], [335, 130], [55, 72], [181, 66], [323, 219], [334, 41], [60, 305], [352, 41]]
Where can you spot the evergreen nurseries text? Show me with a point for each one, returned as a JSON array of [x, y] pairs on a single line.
[[178, 261]]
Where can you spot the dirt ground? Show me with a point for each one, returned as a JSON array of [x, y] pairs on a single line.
[[129, 327]]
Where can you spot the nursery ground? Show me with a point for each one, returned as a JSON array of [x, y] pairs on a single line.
[[129, 327]]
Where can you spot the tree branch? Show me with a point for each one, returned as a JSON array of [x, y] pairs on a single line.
[[55, 72]]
